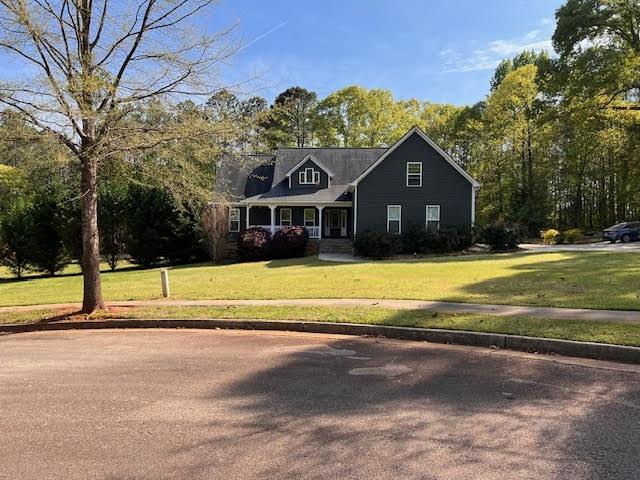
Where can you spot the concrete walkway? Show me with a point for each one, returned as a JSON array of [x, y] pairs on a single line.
[[339, 258], [619, 316]]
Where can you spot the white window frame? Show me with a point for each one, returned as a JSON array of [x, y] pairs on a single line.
[[305, 217], [427, 219], [399, 220], [282, 221], [237, 212], [414, 174], [309, 176]]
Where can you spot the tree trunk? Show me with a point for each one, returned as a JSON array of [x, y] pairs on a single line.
[[92, 296]]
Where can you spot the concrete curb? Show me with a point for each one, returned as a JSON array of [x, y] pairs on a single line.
[[598, 351]]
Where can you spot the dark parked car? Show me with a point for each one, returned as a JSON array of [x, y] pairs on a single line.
[[625, 232]]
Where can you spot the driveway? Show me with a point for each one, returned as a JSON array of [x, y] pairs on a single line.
[[178, 404], [584, 247]]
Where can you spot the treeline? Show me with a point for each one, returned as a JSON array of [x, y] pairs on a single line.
[[554, 144], [40, 231], [545, 159]]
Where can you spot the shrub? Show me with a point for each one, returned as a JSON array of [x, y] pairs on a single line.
[[417, 239], [254, 244], [377, 245], [551, 236], [51, 217], [500, 236], [15, 237], [289, 242], [112, 209], [159, 229], [453, 239], [571, 235]]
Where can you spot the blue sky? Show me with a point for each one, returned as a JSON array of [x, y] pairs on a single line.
[[436, 50]]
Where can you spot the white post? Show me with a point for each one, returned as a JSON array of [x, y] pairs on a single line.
[[273, 218], [320, 227], [248, 208], [164, 277]]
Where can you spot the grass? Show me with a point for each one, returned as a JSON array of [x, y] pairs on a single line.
[[562, 279], [614, 333]]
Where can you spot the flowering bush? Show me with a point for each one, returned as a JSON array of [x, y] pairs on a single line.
[[254, 244], [289, 242]]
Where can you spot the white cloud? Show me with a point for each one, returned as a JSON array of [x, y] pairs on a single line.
[[546, 20], [489, 57]]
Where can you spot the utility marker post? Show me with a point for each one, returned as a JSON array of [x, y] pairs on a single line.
[[164, 277]]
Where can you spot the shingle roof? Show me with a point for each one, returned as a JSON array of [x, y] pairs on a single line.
[[238, 178], [345, 163], [236, 181], [280, 193]]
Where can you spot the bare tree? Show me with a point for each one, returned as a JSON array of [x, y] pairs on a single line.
[[215, 224], [88, 64]]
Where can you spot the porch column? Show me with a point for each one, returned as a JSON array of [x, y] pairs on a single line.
[[248, 208], [320, 223], [273, 218]]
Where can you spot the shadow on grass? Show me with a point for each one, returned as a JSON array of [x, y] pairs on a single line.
[[451, 410], [604, 280]]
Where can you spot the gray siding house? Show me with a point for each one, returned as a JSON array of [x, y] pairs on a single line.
[[338, 193]]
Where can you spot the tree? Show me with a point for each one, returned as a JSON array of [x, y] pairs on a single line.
[[51, 218], [599, 46], [16, 226], [293, 118], [112, 210], [517, 136], [357, 117], [92, 63]]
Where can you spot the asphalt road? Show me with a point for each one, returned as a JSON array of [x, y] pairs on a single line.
[[195, 404]]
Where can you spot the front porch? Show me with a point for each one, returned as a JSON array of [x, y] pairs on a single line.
[[321, 221]]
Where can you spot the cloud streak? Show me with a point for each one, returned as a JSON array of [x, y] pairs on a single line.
[[265, 34], [489, 57]]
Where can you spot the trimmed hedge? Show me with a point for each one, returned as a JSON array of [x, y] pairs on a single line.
[[417, 239], [377, 245], [500, 236]]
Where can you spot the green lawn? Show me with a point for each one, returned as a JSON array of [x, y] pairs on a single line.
[[563, 279], [622, 334]]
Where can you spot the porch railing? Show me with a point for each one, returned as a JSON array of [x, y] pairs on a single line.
[[314, 232]]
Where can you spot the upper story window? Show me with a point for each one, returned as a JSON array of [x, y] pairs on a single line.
[[414, 174], [309, 176], [234, 219]]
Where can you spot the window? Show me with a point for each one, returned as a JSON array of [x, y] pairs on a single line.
[[433, 218], [234, 219], [285, 217], [394, 219], [309, 176], [309, 217], [414, 174]]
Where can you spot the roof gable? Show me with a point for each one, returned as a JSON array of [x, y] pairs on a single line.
[[345, 164], [305, 160], [429, 141]]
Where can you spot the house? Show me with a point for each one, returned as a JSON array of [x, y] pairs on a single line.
[[339, 193]]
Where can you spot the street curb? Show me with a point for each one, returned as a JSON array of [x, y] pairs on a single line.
[[570, 348]]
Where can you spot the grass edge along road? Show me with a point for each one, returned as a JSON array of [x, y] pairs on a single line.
[[601, 332]]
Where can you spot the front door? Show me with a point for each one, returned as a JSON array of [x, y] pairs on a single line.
[[336, 223]]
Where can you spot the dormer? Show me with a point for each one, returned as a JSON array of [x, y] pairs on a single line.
[[309, 173]]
